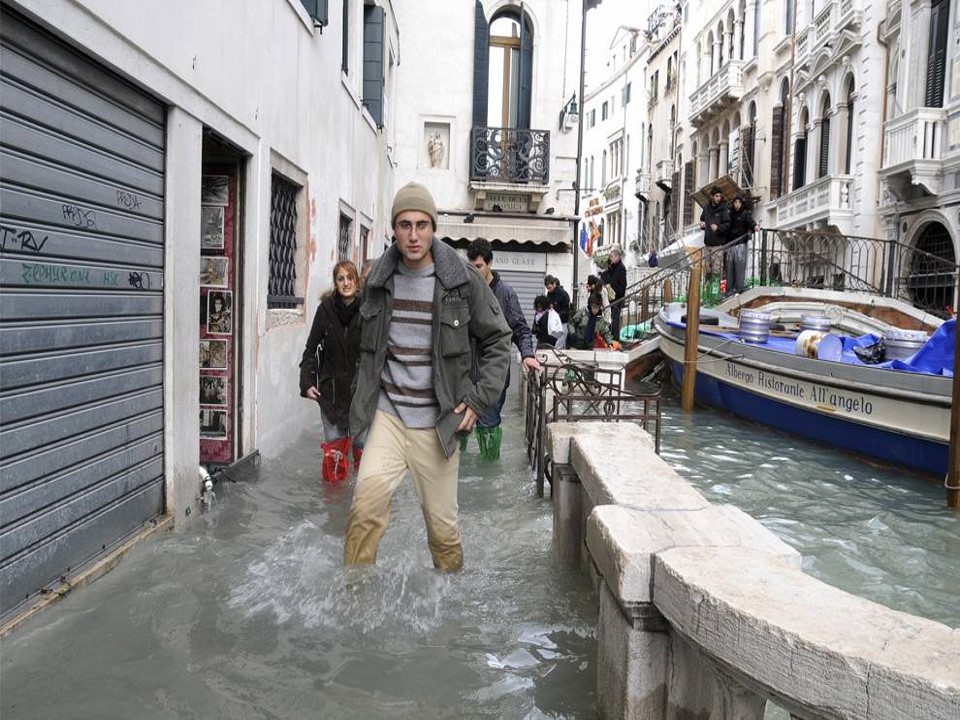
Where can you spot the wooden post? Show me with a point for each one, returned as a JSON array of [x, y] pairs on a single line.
[[691, 341], [953, 461], [667, 292], [644, 305]]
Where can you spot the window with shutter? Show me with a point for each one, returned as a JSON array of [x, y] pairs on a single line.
[[823, 167], [481, 56], [747, 134], [800, 162], [674, 199], [937, 57], [776, 156], [345, 39], [688, 189], [373, 17]]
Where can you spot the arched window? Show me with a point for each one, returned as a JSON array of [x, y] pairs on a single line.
[[778, 142], [749, 137], [720, 48], [505, 47], [673, 126], [710, 53], [931, 280], [823, 154], [849, 119], [800, 151]]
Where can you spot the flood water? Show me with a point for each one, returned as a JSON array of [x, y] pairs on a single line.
[[250, 614]]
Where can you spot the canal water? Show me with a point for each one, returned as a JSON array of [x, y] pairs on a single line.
[[250, 614]]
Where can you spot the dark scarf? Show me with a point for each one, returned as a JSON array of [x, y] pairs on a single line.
[[345, 312]]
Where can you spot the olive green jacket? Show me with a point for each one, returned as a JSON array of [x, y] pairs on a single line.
[[578, 324], [464, 309]]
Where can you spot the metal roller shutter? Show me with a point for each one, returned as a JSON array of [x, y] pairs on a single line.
[[527, 285], [81, 328]]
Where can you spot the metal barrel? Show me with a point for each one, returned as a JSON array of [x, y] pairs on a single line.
[[902, 344], [754, 326]]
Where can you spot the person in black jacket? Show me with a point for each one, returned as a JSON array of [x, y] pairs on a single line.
[[715, 223], [559, 300], [489, 432], [742, 227], [329, 361], [615, 276]]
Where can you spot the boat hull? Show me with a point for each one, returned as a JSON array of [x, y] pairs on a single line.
[[865, 418]]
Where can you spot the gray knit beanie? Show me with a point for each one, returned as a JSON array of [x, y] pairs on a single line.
[[414, 196]]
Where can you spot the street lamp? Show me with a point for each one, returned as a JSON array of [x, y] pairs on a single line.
[[587, 5]]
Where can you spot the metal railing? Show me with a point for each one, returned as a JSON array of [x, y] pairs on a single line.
[[572, 391], [799, 259], [510, 155]]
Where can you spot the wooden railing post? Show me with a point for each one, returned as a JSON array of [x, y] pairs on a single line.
[[692, 337]]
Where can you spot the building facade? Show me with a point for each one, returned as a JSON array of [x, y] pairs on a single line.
[[179, 179], [920, 150], [487, 120]]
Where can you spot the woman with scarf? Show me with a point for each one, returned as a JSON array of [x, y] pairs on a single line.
[[329, 365]]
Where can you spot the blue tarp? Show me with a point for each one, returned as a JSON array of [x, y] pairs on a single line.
[[935, 356]]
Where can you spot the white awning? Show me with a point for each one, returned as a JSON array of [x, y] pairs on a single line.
[[537, 230]]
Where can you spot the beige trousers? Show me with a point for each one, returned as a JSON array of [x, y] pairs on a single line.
[[390, 450]]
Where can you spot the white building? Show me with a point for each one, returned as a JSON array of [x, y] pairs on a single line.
[[486, 119], [179, 179], [920, 150], [615, 123]]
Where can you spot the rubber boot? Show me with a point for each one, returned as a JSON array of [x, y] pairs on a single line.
[[489, 441]]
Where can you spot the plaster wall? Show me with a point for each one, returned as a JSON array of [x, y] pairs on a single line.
[[263, 79]]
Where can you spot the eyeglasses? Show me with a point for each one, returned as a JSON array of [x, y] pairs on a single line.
[[406, 226]]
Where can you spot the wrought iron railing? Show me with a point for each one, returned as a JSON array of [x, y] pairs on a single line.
[[800, 259], [510, 155], [570, 391]]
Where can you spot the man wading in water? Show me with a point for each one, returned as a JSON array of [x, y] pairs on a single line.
[[425, 313]]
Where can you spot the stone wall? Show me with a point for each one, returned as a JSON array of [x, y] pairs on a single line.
[[704, 613]]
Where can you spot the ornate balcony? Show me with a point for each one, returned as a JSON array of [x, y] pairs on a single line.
[[824, 202], [913, 147], [835, 18], [721, 91], [664, 175], [642, 188], [509, 155]]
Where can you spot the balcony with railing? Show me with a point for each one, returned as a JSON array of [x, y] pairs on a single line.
[[824, 202], [642, 187], [663, 176], [913, 146], [835, 17], [723, 89], [510, 156]]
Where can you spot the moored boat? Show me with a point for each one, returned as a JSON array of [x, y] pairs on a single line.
[[897, 411]]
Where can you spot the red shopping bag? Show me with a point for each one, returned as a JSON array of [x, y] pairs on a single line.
[[336, 464]]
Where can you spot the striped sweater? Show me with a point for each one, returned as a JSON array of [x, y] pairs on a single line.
[[406, 383]]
